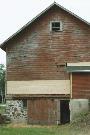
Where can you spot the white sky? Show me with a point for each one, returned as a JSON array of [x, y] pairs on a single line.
[[16, 13]]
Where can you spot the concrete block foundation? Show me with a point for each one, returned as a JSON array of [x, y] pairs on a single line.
[[78, 106]]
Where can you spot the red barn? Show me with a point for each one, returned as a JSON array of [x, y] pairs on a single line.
[[48, 68]]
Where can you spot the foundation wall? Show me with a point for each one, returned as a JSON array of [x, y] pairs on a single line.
[[43, 111], [78, 106], [15, 111]]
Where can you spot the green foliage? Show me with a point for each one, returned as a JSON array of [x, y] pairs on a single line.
[[82, 119], [2, 80], [2, 109]]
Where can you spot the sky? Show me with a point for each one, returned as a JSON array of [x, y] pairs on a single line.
[[16, 13]]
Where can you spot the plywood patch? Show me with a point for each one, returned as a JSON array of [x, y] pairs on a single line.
[[39, 87]]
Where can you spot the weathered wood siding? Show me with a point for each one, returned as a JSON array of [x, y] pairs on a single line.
[[35, 53], [81, 85], [42, 111]]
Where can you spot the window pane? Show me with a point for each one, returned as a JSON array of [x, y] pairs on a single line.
[[24, 103], [55, 26]]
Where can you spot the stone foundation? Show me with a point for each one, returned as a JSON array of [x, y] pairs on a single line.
[[78, 106], [15, 111]]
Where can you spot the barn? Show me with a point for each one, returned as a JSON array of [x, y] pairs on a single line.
[[48, 68]]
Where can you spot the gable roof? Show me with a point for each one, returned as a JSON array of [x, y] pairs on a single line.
[[44, 11]]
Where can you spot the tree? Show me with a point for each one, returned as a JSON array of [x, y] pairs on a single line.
[[2, 82]]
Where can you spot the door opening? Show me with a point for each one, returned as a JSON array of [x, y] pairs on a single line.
[[64, 111]]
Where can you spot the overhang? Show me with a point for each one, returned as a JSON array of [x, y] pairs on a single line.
[[78, 67]]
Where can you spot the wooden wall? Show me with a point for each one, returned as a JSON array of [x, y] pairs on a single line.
[[42, 111], [81, 85], [36, 52]]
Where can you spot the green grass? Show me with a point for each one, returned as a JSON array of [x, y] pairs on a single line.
[[33, 131], [23, 131], [26, 131], [44, 130]]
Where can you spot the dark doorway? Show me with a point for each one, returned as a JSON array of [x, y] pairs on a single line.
[[65, 112]]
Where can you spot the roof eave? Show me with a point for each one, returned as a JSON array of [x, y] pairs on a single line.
[[79, 71]]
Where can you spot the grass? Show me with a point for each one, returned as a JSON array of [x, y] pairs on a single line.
[[25, 131], [81, 126], [44, 130], [34, 131]]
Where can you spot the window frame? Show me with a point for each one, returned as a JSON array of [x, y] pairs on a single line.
[[57, 27]]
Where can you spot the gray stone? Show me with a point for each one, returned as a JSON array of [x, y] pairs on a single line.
[[15, 111]]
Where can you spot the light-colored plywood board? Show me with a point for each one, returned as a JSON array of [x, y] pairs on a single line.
[[39, 87]]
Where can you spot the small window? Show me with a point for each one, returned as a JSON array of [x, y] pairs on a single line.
[[24, 103], [56, 26]]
